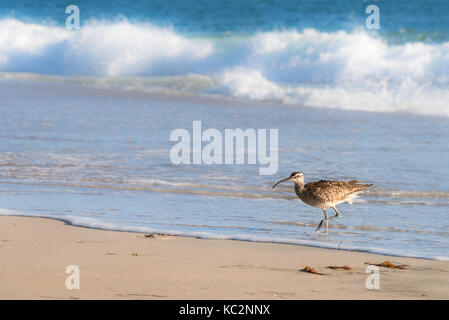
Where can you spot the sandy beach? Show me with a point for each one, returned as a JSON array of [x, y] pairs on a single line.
[[35, 252]]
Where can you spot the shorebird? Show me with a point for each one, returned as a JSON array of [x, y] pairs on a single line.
[[325, 194]]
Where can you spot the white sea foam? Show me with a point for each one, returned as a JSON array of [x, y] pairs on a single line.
[[344, 70], [99, 48], [97, 224]]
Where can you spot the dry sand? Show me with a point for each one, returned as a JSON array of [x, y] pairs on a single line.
[[35, 252]]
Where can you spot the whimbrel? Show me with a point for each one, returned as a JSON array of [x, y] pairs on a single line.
[[325, 193]]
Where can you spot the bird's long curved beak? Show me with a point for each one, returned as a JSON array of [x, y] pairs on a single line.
[[283, 180]]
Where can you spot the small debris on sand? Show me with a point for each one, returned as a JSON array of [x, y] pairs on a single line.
[[154, 235], [346, 267], [311, 270], [134, 254], [388, 264]]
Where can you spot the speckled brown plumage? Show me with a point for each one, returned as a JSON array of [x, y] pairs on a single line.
[[325, 193]]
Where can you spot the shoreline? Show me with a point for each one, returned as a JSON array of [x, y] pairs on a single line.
[[302, 243], [36, 251]]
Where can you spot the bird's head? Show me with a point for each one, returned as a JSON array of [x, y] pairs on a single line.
[[296, 177]]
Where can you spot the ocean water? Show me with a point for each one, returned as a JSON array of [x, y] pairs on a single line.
[[86, 117]]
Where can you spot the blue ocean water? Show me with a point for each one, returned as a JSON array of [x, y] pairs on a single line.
[[86, 116], [419, 17]]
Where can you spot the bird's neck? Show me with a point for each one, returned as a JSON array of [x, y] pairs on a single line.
[[299, 187]]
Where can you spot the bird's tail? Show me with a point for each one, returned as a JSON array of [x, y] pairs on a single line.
[[361, 185]]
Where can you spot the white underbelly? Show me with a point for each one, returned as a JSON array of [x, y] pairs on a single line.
[[325, 205], [349, 199]]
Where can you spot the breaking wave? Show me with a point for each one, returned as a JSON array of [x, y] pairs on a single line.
[[343, 70]]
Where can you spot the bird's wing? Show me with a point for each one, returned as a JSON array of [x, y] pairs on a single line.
[[331, 190]]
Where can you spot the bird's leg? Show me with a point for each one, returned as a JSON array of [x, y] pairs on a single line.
[[322, 221], [326, 219], [336, 211]]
